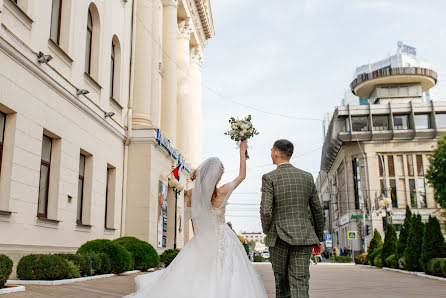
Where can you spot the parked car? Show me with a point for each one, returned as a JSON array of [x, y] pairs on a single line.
[[265, 254]]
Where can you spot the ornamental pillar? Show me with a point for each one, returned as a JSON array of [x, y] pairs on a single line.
[[196, 117]]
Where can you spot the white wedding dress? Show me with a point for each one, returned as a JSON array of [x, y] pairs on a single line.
[[213, 264]]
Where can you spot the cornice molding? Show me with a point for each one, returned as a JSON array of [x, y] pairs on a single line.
[[184, 29], [196, 55], [172, 3]]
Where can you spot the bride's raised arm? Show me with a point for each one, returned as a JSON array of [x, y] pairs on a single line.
[[242, 172]]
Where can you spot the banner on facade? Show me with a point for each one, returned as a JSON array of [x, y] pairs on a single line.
[[162, 215], [180, 224]]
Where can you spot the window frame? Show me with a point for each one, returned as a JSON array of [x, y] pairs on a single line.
[[391, 165], [106, 196], [112, 71], [362, 118], [89, 42], [2, 139], [59, 21], [427, 117], [46, 164], [403, 128], [384, 127], [81, 179]]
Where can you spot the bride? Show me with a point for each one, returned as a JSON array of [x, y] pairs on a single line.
[[213, 264]]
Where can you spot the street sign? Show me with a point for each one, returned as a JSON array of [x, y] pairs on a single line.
[[352, 235], [328, 237], [328, 243]]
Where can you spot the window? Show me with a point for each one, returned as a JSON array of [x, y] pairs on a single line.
[[400, 165], [393, 195], [441, 120], [106, 197], [56, 15], [420, 169], [422, 121], [112, 70], [347, 125], [45, 164], [80, 189], [2, 136], [360, 124], [89, 43], [391, 166], [380, 165], [401, 122], [413, 193], [380, 123], [422, 195], [409, 165], [357, 181]]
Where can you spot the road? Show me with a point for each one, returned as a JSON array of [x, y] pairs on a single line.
[[326, 281]]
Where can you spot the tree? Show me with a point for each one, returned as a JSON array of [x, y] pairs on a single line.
[[389, 247], [252, 243], [412, 253], [434, 245], [404, 235], [436, 174], [376, 241]]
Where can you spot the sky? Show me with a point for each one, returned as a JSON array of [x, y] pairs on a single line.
[[287, 63]]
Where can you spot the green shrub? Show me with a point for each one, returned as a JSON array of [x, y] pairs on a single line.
[[404, 234], [83, 262], [389, 247], [42, 267], [371, 257], [259, 259], [402, 263], [391, 262], [73, 270], [105, 264], [361, 259], [378, 261], [443, 267], [120, 258], [376, 241], [434, 245], [168, 255], [144, 256], [343, 259], [5, 269], [434, 267], [412, 253], [96, 261]]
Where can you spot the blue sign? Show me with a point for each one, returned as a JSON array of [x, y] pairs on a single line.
[[328, 237], [352, 235], [163, 142]]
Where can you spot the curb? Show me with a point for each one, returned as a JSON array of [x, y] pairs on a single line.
[[334, 264], [9, 290], [64, 281], [420, 274]]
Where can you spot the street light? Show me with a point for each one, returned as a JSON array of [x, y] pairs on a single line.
[[386, 202]]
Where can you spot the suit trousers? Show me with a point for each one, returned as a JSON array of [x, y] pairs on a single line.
[[291, 265]]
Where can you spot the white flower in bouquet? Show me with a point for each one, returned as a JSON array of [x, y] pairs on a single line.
[[241, 130]]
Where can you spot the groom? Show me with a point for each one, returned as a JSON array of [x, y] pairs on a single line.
[[287, 195]]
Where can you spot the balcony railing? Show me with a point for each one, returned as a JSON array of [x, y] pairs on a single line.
[[381, 73]]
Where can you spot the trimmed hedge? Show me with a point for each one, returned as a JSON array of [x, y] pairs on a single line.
[[371, 257], [390, 242], [168, 255], [73, 270], [392, 262], [404, 234], [83, 262], [259, 259], [412, 253], [43, 267], [5, 269], [378, 261], [120, 258], [361, 259], [343, 259], [144, 256], [434, 245], [437, 267]]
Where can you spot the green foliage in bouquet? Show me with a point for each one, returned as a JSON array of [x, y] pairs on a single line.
[[241, 130]]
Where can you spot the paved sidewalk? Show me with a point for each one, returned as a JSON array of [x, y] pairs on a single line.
[[326, 281]]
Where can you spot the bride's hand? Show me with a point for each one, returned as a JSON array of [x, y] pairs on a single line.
[[243, 146]]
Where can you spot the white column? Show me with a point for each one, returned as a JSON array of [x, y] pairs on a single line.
[[143, 66], [196, 106], [183, 91], [169, 84], [157, 33]]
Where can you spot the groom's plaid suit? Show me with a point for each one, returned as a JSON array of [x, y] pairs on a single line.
[[287, 194]]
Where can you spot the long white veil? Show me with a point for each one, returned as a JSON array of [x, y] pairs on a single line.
[[208, 174]]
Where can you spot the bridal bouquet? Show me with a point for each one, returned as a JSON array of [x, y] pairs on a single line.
[[241, 130]]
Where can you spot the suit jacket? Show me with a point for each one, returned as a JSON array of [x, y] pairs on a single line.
[[287, 194]]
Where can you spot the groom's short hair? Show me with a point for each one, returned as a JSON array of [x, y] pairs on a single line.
[[285, 147]]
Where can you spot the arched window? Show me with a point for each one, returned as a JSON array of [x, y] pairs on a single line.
[[89, 42], [56, 16], [115, 69], [112, 71]]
